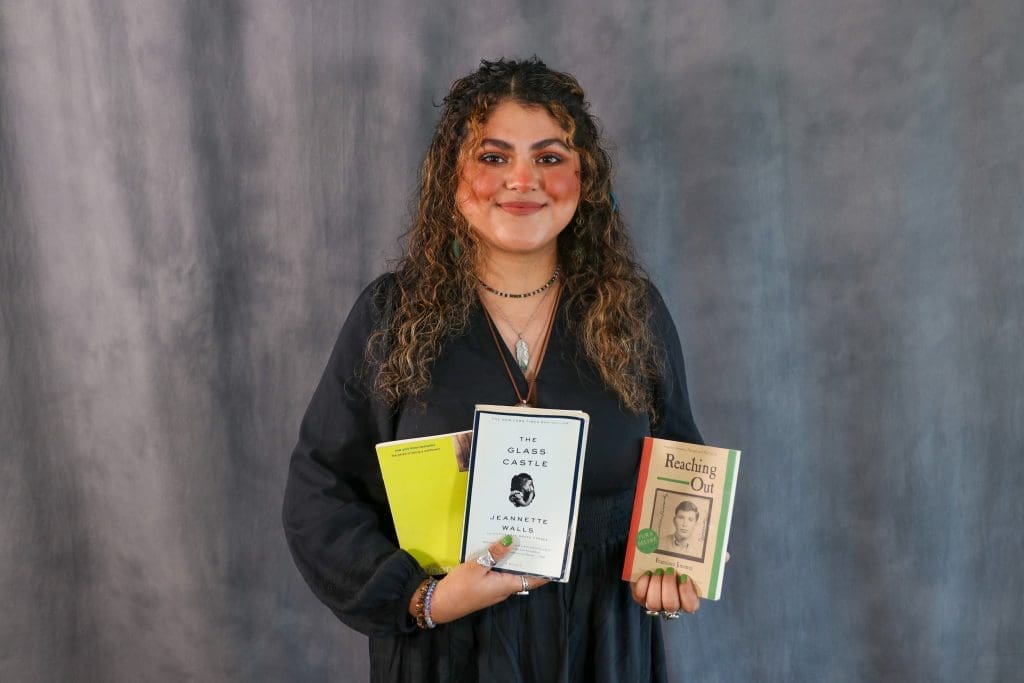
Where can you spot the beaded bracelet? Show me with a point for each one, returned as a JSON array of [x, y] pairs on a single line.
[[426, 604], [420, 605], [421, 608]]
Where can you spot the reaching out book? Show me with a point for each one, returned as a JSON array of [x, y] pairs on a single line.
[[525, 474], [425, 479], [682, 512]]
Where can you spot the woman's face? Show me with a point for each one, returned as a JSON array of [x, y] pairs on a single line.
[[520, 187]]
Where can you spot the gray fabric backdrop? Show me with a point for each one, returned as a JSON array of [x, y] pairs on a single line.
[[830, 193]]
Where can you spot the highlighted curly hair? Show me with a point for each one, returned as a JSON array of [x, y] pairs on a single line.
[[605, 290]]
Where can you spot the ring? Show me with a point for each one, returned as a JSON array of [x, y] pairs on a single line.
[[651, 612], [526, 586], [670, 615], [485, 559]]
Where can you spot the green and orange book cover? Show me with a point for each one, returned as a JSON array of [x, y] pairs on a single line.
[[682, 512]]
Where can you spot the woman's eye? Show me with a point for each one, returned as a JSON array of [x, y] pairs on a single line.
[[491, 158], [548, 159]]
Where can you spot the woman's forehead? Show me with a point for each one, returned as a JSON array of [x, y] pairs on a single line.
[[514, 121]]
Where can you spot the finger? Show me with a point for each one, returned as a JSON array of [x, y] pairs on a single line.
[[640, 587], [499, 550], [688, 596], [515, 583], [670, 591], [535, 582], [652, 601]]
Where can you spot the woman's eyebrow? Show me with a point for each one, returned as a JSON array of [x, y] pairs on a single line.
[[550, 141], [540, 144]]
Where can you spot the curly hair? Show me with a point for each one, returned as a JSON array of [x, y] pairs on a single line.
[[605, 290]]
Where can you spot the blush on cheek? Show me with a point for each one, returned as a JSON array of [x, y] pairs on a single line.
[[562, 182], [484, 184]]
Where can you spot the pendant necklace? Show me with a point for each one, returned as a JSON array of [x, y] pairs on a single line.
[[531, 394], [521, 346]]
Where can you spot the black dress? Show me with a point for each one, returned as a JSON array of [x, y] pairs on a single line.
[[341, 536]]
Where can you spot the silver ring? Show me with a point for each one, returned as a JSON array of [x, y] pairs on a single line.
[[652, 612], [526, 586], [485, 559], [670, 615]]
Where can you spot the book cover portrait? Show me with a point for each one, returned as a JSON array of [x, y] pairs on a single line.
[[681, 521]]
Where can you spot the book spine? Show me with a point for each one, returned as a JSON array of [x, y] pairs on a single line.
[[469, 487], [724, 521], [638, 499], [577, 481]]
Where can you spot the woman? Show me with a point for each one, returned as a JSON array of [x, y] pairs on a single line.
[[518, 286]]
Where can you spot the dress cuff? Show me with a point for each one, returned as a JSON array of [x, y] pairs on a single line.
[[415, 576]]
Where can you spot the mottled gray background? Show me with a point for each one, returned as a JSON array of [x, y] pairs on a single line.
[[830, 193]]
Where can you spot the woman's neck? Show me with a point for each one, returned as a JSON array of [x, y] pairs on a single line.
[[517, 273]]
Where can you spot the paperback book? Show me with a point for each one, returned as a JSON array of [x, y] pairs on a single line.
[[525, 473], [425, 479], [682, 512]]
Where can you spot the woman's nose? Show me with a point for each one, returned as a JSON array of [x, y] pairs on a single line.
[[522, 176]]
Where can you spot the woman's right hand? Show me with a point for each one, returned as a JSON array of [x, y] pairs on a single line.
[[471, 586]]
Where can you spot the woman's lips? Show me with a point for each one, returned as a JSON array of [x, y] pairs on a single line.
[[521, 208]]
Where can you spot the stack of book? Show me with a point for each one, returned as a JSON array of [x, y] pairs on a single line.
[[519, 470]]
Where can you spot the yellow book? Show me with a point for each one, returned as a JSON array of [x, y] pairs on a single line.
[[425, 479]]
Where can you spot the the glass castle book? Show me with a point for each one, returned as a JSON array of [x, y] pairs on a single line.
[[525, 473]]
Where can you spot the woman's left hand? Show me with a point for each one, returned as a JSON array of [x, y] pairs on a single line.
[[666, 592]]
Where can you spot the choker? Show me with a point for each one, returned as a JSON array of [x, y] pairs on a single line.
[[509, 295]]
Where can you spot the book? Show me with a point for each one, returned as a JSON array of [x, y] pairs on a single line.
[[525, 474], [425, 479], [682, 512]]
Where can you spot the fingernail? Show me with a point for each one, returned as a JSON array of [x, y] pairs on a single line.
[[507, 541], [682, 578], [669, 571], [648, 573], [659, 571]]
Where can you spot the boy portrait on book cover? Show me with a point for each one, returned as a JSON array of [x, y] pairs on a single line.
[[682, 522]]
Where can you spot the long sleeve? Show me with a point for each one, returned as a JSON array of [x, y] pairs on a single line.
[[672, 400], [335, 512]]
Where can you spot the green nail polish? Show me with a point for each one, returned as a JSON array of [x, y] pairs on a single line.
[[682, 578], [648, 573], [669, 571], [659, 571], [507, 541]]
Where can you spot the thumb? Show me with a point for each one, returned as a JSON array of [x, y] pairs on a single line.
[[499, 550]]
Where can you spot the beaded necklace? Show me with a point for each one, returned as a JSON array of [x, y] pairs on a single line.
[[509, 295]]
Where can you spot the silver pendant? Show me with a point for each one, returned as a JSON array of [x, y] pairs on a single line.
[[522, 354]]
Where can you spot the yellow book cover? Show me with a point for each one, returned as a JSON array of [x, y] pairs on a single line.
[[682, 512], [425, 479]]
